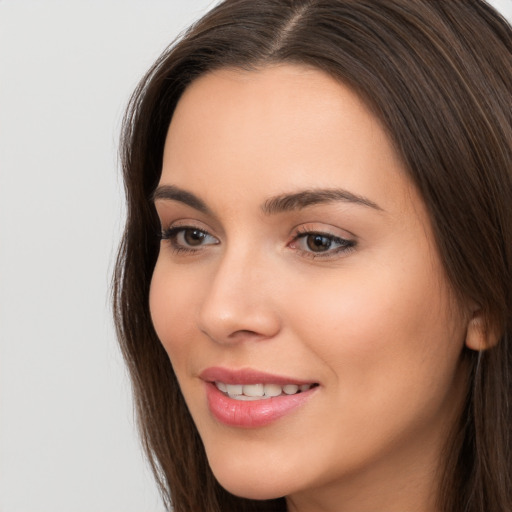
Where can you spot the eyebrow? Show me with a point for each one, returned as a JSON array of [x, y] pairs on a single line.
[[305, 198], [173, 193], [274, 205]]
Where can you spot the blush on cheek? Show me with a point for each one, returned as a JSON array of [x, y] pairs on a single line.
[[385, 325], [157, 308], [162, 304], [171, 309]]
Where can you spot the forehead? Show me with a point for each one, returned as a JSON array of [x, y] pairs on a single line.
[[257, 133]]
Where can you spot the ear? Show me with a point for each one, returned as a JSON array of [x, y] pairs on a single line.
[[480, 335]]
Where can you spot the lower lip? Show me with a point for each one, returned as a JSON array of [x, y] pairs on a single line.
[[254, 413]]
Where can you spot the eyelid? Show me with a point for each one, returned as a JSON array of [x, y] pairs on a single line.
[[165, 234], [167, 224], [323, 228]]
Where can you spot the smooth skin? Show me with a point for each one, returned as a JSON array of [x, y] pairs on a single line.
[[362, 306]]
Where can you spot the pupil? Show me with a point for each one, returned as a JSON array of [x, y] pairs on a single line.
[[194, 237], [318, 243]]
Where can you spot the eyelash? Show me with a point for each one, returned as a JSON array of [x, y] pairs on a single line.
[[172, 233], [345, 246]]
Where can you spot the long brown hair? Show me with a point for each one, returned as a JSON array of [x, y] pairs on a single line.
[[438, 74]]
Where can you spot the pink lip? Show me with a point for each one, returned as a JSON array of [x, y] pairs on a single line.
[[250, 414], [247, 376]]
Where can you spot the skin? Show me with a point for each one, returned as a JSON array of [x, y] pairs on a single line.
[[375, 325]]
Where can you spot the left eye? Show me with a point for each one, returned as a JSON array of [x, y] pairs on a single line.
[[318, 243], [188, 237]]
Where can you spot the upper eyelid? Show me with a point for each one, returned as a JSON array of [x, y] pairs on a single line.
[[178, 228], [302, 229], [325, 234], [171, 218], [327, 229], [184, 224], [321, 197]]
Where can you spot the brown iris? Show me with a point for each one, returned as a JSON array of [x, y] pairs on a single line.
[[318, 243], [194, 237]]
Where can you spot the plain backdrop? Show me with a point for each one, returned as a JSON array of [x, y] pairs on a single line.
[[67, 437]]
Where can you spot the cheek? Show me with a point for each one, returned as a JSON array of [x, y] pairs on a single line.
[[171, 301], [392, 354], [381, 330]]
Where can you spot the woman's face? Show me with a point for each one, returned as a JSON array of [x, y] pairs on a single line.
[[298, 260]]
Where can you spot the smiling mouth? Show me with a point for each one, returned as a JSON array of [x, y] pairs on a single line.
[[251, 392]]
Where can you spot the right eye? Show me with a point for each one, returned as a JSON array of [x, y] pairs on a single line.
[[188, 238]]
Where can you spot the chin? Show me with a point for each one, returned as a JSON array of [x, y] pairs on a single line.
[[251, 483], [250, 490]]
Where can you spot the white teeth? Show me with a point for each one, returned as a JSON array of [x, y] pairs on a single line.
[[272, 390], [234, 389], [248, 392], [244, 398], [290, 389], [222, 387], [253, 390]]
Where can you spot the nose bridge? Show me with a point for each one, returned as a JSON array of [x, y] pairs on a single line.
[[238, 302]]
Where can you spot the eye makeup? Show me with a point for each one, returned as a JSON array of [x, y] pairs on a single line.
[[189, 239], [320, 244]]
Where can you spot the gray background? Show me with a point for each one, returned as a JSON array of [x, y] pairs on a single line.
[[67, 436]]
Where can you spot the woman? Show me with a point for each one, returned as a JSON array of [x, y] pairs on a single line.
[[313, 293]]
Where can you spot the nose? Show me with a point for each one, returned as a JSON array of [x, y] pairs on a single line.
[[239, 302]]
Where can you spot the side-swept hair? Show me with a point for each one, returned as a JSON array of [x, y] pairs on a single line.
[[438, 75]]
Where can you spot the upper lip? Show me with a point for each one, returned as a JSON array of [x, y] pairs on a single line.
[[247, 376]]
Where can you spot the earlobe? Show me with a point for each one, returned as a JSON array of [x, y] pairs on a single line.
[[479, 334]]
